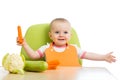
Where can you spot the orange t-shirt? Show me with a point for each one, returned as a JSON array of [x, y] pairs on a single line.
[[68, 57]]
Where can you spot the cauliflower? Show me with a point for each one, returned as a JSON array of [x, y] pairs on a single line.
[[14, 63]]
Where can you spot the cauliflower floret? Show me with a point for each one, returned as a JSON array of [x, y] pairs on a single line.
[[14, 63]]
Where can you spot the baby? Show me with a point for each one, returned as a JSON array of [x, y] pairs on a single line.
[[59, 49]]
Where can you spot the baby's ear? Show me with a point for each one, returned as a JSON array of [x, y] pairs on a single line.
[[70, 34], [49, 34]]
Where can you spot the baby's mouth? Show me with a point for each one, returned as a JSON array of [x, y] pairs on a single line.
[[61, 39]]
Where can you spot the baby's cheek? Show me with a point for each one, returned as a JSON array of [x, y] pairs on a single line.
[[68, 38]]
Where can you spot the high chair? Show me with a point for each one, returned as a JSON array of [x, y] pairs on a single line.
[[37, 35]]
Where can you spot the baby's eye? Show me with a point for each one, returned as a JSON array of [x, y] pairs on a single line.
[[57, 32], [65, 32]]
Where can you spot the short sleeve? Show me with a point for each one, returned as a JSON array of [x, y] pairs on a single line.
[[42, 49], [81, 53]]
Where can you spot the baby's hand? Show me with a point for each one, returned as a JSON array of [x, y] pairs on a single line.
[[110, 58], [18, 43]]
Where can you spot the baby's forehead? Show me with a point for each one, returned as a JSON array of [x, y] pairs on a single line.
[[63, 29]]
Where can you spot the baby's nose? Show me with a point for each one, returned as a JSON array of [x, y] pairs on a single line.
[[61, 34]]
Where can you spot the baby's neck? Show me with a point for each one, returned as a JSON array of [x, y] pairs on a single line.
[[60, 45]]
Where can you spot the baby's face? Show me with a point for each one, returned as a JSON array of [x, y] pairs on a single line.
[[60, 33]]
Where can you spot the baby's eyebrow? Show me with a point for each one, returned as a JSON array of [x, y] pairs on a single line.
[[56, 31]]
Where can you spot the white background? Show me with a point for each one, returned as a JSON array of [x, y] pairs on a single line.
[[97, 23]]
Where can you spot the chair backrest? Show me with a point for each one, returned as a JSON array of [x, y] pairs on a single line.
[[37, 35]]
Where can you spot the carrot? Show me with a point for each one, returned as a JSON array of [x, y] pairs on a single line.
[[20, 38], [53, 64]]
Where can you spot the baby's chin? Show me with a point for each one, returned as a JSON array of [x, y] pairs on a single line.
[[61, 44]]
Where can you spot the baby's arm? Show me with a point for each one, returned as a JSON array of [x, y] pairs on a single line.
[[99, 57], [30, 52]]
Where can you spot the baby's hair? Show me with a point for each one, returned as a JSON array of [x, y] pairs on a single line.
[[59, 19]]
